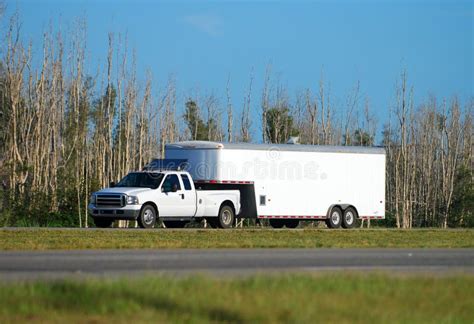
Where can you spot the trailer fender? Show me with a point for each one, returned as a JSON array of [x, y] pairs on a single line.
[[328, 212]]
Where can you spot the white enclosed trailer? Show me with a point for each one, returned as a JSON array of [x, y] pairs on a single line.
[[290, 182]]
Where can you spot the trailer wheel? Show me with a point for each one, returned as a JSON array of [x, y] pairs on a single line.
[[103, 223], [147, 218], [335, 218], [226, 217], [175, 224], [276, 223], [349, 218], [292, 223]]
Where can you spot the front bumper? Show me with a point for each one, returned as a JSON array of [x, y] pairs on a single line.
[[130, 212]]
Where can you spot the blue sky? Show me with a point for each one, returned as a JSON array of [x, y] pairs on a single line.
[[202, 43]]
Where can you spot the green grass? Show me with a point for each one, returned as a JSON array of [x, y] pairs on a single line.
[[68, 239], [295, 298]]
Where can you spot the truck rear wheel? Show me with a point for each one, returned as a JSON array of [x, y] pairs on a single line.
[[226, 217], [277, 223], [349, 218], [335, 218], [147, 217], [175, 224], [103, 223]]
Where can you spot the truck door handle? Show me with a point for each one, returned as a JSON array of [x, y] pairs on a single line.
[[182, 196]]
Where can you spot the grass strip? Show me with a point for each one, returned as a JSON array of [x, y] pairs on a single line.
[[70, 239], [286, 298]]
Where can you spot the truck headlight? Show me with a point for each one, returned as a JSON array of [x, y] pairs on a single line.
[[132, 200], [92, 199]]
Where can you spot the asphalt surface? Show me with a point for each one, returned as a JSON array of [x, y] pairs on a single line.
[[223, 262]]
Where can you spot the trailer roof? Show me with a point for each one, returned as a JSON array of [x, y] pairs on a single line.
[[200, 145]]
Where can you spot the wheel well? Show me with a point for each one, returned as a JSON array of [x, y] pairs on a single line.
[[330, 208], [151, 203], [228, 203]]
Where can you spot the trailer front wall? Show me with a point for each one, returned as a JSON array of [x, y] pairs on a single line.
[[202, 164]]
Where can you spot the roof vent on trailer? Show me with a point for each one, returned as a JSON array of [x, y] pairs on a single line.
[[293, 140]]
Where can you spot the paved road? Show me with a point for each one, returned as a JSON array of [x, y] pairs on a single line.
[[56, 264]]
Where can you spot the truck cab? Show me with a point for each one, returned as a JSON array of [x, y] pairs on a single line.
[[168, 195]]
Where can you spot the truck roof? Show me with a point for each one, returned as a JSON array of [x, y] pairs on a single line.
[[207, 145], [160, 171]]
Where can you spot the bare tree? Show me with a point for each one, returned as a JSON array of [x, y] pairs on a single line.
[[351, 106], [265, 103], [326, 110], [230, 118], [245, 118], [451, 137], [312, 111]]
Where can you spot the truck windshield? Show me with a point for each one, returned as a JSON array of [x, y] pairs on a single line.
[[141, 180]]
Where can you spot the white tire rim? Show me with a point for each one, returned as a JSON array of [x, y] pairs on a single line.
[[335, 217], [148, 216], [349, 218], [226, 217]]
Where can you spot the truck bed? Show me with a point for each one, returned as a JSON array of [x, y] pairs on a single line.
[[209, 201]]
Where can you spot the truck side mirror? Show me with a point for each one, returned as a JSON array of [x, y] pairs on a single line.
[[174, 188], [112, 184]]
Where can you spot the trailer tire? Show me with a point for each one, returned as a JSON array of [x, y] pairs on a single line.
[[147, 217], [226, 217], [349, 218], [292, 223], [103, 223], [175, 224], [335, 218], [276, 223]]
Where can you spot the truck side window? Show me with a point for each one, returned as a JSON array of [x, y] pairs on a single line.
[[186, 183], [171, 179]]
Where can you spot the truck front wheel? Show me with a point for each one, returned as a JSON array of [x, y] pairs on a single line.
[[147, 217], [335, 218], [226, 217]]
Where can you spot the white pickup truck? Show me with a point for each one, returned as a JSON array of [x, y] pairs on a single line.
[[170, 196]]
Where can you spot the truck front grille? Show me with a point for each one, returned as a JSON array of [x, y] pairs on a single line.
[[110, 200]]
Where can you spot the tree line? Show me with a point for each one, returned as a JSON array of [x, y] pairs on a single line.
[[65, 132]]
